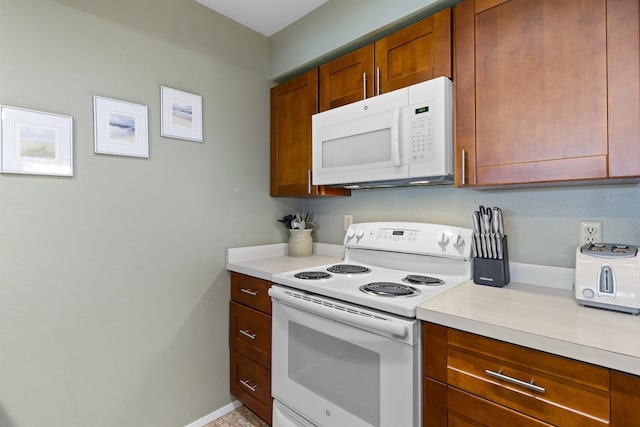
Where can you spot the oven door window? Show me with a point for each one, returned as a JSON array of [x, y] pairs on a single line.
[[342, 373], [335, 374]]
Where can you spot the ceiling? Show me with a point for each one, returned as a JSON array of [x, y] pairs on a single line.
[[264, 16]]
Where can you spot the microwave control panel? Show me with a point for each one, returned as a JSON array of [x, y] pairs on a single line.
[[421, 133]]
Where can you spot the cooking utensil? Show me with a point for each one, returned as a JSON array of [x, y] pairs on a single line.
[[476, 221], [498, 224]]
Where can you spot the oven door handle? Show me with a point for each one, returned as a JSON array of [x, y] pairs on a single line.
[[333, 311]]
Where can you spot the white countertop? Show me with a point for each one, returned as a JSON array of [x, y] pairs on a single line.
[[266, 260], [543, 318]]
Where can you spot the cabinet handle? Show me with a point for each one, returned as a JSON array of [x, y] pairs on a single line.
[[249, 291], [529, 385], [377, 80], [248, 333], [249, 386], [308, 181], [364, 85], [464, 166]]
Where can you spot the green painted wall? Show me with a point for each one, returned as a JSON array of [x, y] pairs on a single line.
[[113, 289]]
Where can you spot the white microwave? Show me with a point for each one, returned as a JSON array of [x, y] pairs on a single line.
[[399, 138]]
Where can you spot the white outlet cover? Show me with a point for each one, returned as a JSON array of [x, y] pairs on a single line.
[[590, 232]]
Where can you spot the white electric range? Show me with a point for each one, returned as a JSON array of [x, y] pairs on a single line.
[[346, 343]]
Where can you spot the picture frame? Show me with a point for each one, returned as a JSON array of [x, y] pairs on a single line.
[[35, 142], [181, 114], [121, 128]]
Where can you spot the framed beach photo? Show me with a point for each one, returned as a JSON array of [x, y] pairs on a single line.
[[120, 128], [36, 142], [181, 114]]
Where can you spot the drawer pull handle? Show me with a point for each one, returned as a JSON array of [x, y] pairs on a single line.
[[529, 385], [249, 291], [249, 386], [247, 333]]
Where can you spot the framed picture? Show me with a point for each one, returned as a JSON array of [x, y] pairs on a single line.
[[120, 128], [36, 142], [181, 114]]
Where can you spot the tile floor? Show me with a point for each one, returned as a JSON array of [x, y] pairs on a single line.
[[239, 417]]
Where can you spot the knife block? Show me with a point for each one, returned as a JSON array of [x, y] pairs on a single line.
[[492, 272]]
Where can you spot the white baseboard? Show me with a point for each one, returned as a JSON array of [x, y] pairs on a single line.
[[215, 414]]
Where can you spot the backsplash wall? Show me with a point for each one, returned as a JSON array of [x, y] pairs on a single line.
[[542, 224]]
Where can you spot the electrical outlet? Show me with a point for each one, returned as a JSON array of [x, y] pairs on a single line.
[[590, 232], [348, 220]]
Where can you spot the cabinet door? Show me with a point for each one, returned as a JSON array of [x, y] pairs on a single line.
[[467, 410], [415, 53], [346, 79], [251, 384], [625, 399], [292, 105], [531, 91], [250, 333], [434, 403], [623, 56], [251, 291], [551, 388]]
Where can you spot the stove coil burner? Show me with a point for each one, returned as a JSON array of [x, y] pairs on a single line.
[[312, 275], [416, 279], [348, 269], [389, 289]]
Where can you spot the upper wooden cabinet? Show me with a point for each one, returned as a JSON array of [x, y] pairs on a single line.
[[411, 55], [546, 91], [292, 105]]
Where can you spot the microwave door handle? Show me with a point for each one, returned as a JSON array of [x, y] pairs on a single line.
[[395, 138], [364, 85]]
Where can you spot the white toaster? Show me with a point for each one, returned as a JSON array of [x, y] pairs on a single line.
[[608, 276]]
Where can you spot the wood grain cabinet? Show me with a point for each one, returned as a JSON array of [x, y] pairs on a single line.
[[292, 105], [546, 91], [250, 343], [470, 380], [413, 54], [625, 399]]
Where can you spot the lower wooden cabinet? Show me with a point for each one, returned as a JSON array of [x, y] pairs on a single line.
[[470, 380], [550, 388], [466, 409], [251, 384], [625, 399], [250, 333], [250, 343]]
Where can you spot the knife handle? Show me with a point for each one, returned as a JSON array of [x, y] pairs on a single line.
[[476, 221]]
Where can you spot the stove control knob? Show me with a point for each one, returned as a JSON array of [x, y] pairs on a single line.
[[459, 242], [443, 240], [350, 233], [359, 233]]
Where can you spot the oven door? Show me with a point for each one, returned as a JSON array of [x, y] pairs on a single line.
[[342, 365]]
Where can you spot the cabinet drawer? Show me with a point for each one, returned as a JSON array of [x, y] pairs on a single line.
[[250, 333], [251, 291], [251, 384], [572, 392], [466, 410]]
